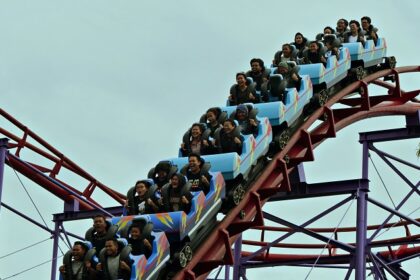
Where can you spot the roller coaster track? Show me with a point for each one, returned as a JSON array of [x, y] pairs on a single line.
[[216, 250]]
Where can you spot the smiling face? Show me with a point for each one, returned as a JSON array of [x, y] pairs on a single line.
[[111, 248], [298, 39], [354, 28], [135, 232], [255, 67], [287, 51], [194, 164], [78, 252], [228, 127], [313, 47], [195, 131], [241, 80]]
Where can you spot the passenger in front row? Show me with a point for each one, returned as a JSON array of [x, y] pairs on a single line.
[[355, 34], [300, 43], [228, 139], [114, 263], [286, 54], [176, 194], [258, 73], [247, 120], [290, 75], [243, 91], [342, 27], [197, 174], [194, 141], [100, 232], [140, 239], [140, 200], [369, 30], [214, 118], [315, 54], [75, 265]]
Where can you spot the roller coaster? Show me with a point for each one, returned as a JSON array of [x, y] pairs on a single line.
[[290, 132]]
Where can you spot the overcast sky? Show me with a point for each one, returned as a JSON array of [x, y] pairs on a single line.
[[114, 85]]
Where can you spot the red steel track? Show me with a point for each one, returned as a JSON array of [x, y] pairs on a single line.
[[216, 250]]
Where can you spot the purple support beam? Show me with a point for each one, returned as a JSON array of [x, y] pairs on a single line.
[[55, 250], [307, 223], [3, 149], [87, 214], [237, 257], [361, 221], [377, 203], [227, 272], [338, 244], [325, 189]]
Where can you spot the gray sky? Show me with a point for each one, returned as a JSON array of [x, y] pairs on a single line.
[[115, 84]]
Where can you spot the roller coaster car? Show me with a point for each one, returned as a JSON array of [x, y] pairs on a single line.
[[280, 112], [231, 165], [369, 54], [324, 77], [182, 228], [235, 168]]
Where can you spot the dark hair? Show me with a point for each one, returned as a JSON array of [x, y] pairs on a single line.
[[232, 121], [99, 216], [81, 244], [214, 110], [144, 182], [301, 35], [114, 240], [257, 60], [198, 157], [355, 22], [287, 45], [244, 75], [346, 23], [330, 28], [241, 74], [136, 225], [366, 18], [199, 125]]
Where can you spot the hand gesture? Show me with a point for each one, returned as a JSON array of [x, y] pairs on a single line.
[[124, 266], [253, 122], [88, 265], [99, 267], [251, 96], [62, 269], [204, 180], [205, 143], [184, 200], [237, 140], [147, 244]]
